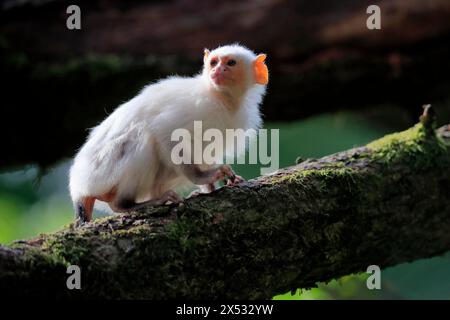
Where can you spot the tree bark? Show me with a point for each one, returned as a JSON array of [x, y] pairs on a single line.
[[384, 203]]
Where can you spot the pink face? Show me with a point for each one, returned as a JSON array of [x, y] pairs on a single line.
[[226, 70]]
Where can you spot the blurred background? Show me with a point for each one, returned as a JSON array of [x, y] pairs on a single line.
[[334, 85]]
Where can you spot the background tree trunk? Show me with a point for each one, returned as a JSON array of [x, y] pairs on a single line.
[[321, 58]]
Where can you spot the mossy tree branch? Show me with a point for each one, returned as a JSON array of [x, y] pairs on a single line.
[[66, 81], [384, 204]]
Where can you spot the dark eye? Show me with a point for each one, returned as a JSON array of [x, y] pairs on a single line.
[[213, 62], [231, 62]]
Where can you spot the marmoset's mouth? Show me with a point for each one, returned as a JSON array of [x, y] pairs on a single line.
[[219, 78]]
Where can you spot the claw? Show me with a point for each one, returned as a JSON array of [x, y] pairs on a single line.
[[227, 175], [232, 178], [236, 180], [78, 223], [171, 196]]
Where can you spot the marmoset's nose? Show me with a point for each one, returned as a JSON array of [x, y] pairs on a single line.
[[220, 69]]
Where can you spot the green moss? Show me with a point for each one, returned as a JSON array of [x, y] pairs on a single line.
[[324, 176], [35, 257], [69, 247], [137, 232], [422, 148], [408, 136]]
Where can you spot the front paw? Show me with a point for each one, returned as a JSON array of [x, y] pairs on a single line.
[[234, 180], [78, 223]]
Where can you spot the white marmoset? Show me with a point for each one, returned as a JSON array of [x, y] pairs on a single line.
[[126, 160]]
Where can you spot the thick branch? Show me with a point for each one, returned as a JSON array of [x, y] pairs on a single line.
[[384, 204]]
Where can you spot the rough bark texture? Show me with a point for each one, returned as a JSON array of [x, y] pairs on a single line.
[[385, 203]]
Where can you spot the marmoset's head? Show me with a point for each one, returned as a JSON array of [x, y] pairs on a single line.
[[234, 67]]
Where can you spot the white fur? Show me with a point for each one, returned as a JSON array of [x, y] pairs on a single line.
[[130, 149]]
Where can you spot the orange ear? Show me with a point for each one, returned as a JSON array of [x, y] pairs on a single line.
[[260, 70], [205, 54]]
